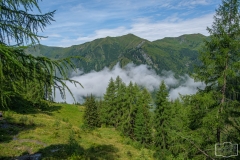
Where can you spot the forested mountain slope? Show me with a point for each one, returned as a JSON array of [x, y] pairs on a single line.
[[176, 54]]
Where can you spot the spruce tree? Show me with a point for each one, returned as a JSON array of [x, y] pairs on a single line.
[[162, 114], [142, 127], [107, 111], [130, 108], [120, 90], [99, 106], [220, 62], [122, 102], [91, 115], [178, 124]]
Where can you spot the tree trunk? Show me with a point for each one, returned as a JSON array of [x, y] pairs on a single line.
[[223, 99]]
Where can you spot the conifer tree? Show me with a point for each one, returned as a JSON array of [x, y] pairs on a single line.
[[118, 83], [142, 128], [161, 122], [182, 145], [220, 61], [120, 90], [99, 106], [146, 99], [129, 115], [122, 101], [91, 116], [107, 111]]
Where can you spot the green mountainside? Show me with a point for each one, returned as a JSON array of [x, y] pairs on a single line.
[[176, 54]]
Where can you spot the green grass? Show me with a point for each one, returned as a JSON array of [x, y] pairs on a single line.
[[57, 133]]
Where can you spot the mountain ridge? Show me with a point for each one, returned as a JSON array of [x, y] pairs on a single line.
[[177, 54]]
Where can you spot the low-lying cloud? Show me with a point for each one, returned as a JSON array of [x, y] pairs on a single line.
[[95, 83]]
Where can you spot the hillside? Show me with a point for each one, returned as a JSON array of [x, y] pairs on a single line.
[[57, 133], [177, 54]]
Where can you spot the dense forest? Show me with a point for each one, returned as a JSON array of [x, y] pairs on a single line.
[[181, 129]]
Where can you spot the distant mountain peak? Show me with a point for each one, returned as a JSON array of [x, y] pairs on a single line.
[[131, 35], [177, 54]]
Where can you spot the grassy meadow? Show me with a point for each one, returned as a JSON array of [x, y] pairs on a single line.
[[57, 132]]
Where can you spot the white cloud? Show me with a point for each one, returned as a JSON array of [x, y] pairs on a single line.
[[187, 3], [54, 35], [154, 31], [96, 82], [188, 87], [146, 29], [81, 21]]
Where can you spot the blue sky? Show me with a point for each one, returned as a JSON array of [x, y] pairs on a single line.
[[78, 21]]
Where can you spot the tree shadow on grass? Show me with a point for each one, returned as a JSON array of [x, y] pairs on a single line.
[[75, 151], [9, 129], [72, 150], [24, 106], [102, 152], [49, 109]]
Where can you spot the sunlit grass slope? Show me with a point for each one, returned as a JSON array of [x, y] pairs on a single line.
[[57, 133]]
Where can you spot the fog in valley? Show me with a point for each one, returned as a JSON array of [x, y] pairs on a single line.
[[95, 83]]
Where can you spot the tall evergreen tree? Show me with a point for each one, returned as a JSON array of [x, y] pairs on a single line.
[[120, 90], [107, 111], [122, 100], [178, 125], [220, 61], [129, 115], [161, 122], [91, 115], [142, 127]]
